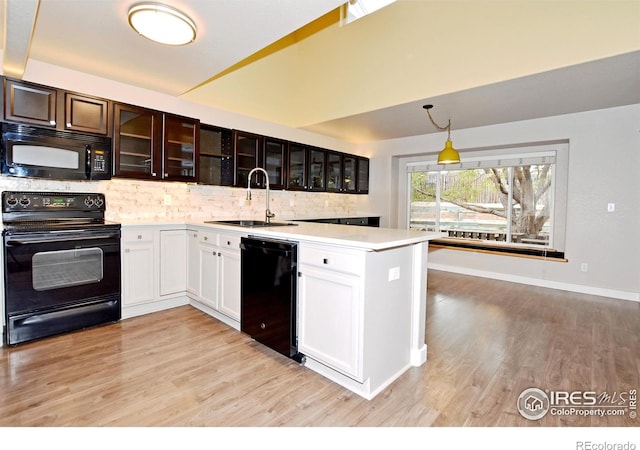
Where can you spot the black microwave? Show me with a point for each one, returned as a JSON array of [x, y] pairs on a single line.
[[29, 151]]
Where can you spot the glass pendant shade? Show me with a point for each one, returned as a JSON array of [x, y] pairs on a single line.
[[448, 155], [162, 23]]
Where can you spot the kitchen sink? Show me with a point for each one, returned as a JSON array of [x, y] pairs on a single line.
[[252, 223]]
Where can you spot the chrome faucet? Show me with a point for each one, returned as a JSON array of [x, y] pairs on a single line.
[[267, 214]]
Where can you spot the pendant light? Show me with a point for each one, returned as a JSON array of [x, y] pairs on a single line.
[[448, 155], [162, 23]]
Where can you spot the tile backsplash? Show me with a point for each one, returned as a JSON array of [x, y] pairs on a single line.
[[130, 200]]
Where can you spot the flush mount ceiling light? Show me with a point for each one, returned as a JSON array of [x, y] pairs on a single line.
[[162, 23], [448, 155]]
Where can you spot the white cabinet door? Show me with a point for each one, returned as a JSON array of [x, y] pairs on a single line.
[[330, 319], [229, 276], [173, 261], [209, 261], [193, 262], [137, 272]]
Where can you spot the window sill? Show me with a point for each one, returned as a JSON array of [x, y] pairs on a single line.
[[498, 249]]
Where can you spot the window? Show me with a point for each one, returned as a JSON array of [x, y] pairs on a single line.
[[500, 202]]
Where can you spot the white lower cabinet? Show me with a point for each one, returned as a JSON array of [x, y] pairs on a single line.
[[208, 274], [229, 282], [154, 269], [173, 262], [330, 326], [138, 266], [330, 309], [355, 313], [218, 271]]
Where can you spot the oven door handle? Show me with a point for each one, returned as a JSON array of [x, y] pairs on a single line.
[[59, 239]]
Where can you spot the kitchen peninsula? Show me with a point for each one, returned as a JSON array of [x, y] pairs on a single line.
[[361, 291]]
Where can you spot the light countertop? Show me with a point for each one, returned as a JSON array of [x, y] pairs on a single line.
[[368, 238]]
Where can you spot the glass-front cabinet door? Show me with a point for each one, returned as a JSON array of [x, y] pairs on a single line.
[[317, 168], [247, 156], [137, 142], [363, 176], [180, 148], [297, 167], [274, 161], [334, 172], [216, 156], [349, 173]]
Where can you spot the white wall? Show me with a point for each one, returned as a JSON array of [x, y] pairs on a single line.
[[604, 167]]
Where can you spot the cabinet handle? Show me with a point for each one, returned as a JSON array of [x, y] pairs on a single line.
[[153, 174], [139, 236], [126, 250], [325, 261], [166, 175], [206, 238], [229, 243]]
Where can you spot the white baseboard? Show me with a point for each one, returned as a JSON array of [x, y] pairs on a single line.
[[153, 306], [579, 288]]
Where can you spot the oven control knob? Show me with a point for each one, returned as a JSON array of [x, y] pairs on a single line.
[[88, 201], [99, 202], [25, 201], [12, 201]]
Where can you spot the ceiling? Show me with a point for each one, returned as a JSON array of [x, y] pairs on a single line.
[[292, 62]]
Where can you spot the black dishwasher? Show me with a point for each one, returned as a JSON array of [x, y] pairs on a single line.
[[268, 293]]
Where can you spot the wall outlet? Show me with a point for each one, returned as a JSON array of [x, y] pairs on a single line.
[[611, 207], [584, 267], [394, 273]]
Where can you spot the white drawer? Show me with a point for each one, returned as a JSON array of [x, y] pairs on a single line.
[[230, 241], [137, 235], [208, 237], [332, 259]]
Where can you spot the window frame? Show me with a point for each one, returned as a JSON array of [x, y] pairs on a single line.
[[482, 158]]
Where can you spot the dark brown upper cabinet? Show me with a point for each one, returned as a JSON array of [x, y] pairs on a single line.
[[248, 155], [274, 159], [180, 149], [317, 169], [86, 114], [30, 103], [54, 108], [334, 171], [216, 156], [349, 173], [363, 176], [297, 159], [137, 142], [306, 168], [152, 145]]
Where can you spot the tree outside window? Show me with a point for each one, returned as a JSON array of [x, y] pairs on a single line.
[[511, 204]]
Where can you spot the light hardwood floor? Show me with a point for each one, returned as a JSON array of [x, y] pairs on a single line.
[[487, 341]]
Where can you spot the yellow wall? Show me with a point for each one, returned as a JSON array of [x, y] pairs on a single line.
[[415, 49]]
